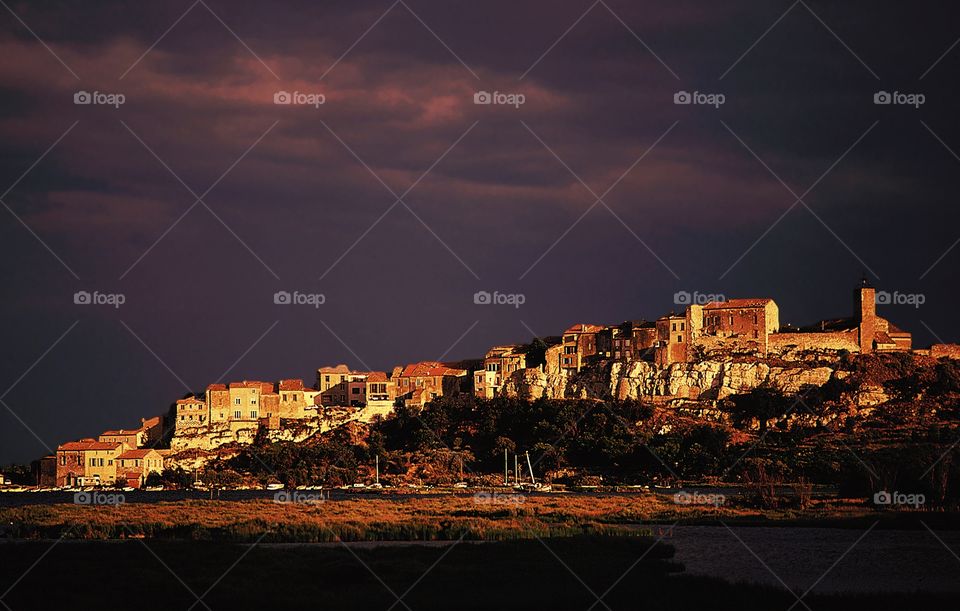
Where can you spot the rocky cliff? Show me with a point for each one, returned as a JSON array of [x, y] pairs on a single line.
[[709, 380]]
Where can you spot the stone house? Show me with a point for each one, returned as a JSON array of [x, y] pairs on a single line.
[[218, 403], [293, 403], [88, 462], [245, 403], [579, 342], [190, 413], [133, 466], [422, 382], [340, 386], [628, 341], [499, 364], [131, 438]]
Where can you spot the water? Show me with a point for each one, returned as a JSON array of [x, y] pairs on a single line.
[[883, 561]]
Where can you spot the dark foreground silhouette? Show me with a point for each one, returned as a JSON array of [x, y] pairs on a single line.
[[555, 574]]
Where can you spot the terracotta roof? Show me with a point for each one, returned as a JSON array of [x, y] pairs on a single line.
[[430, 368], [377, 376], [341, 368], [151, 422], [89, 444], [737, 303], [217, 387], [882, 338], [263, 386], [119, 432], [136, 453], [291, 384], [584, 328], [189, 400]]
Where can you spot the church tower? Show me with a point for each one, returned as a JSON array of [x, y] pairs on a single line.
[[865, 313]]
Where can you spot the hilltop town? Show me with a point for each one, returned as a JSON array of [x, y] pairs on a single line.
[[707, 353]]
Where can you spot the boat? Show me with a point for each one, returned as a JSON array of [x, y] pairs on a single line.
[[274, 486]]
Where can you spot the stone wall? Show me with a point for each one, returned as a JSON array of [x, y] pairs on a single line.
[[948, 350], [791, 345]]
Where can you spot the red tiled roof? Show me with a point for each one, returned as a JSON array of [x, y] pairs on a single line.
[[263, 386], [377, 376], [217, 387], [290, 384], [151, 422], [341, 368], [188, 400], [119, 432], [584, 328], [89, 444], [737, 303], [136, 453], [430, 368]]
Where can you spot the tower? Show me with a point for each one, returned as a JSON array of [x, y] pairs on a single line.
[[865, 313]]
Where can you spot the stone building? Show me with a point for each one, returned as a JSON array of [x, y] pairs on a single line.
[[134, 466], [579, 342], [499, 364], [88, 462], [218, 403], [628, 341], [422, 382], [752, 327], [245, 400], [190, 413], [341, 386], [293, 403], [131, 438]]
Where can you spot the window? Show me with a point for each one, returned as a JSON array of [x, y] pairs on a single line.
[[673, 327], [755, 335], [63, 459], [326, 379], [253, 413], [253, 401], [355, 390], [682, 326], [754, 319], [731, 319], [237, 400], [237, 414], [679, 339]]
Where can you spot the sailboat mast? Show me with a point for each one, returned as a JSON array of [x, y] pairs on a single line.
[[530, 466]]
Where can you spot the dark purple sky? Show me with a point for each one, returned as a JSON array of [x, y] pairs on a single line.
[[101, 212]]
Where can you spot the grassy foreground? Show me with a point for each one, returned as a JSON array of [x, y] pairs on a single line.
[[487, 517]]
